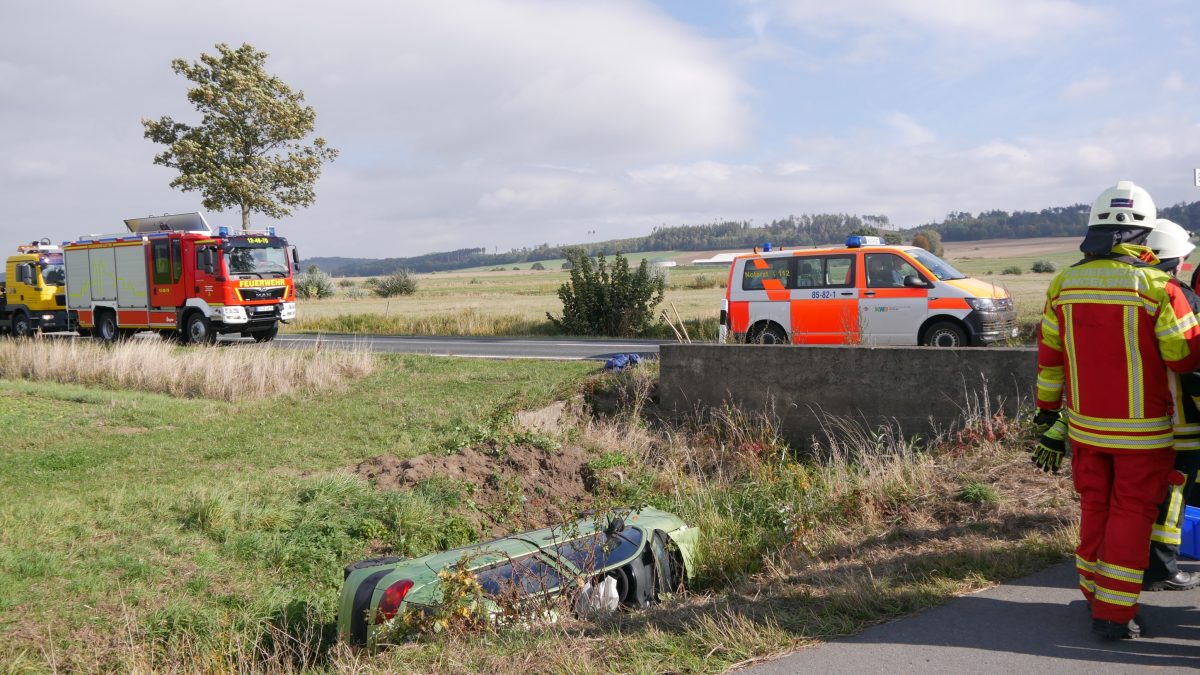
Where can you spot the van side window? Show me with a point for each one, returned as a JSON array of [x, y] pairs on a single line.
[[839, 271], [887, 270], [767, 274]]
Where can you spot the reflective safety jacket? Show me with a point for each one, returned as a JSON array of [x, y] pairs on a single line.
[[1185, 391], [1110, 330]]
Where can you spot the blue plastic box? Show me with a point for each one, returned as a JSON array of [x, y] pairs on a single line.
[[1190, 546]]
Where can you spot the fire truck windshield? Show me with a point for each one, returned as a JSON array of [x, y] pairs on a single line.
[[53, 272], [262, 261]]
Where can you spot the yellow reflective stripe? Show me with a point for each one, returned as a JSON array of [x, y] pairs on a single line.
[[1131, 577], [1167, 535], [1119, 442], [1049, 324], [1087, 584], [1069, 350], [1133, 360], [1085, 564], [1101, 565], [1118, 424], [1115, 597], [1174, 505]]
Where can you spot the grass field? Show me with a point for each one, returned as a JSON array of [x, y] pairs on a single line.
[[140, 531], [515, 302]]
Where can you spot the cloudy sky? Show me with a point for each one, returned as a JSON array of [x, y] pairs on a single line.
[[508, 123]]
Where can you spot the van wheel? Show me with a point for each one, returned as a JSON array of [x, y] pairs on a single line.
[[106, 328], [197, 330], [21, 327], [769, 334], [945, 334]]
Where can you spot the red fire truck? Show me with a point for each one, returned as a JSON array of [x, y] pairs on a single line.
[[174, 275]]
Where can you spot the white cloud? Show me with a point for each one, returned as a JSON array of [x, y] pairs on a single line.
[[1175, 83]]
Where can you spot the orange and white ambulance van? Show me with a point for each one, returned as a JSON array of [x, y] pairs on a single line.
[[862, 293]]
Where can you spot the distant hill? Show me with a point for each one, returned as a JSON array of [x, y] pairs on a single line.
[[807, 230]]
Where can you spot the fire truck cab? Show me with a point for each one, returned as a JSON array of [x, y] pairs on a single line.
[[862, 293], [174, 275], [31, 291]]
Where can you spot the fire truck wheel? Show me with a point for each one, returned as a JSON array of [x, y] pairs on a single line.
[[106, 327], [945, 334], [21, 328], [265, 335], [198, 330], [768, 334]]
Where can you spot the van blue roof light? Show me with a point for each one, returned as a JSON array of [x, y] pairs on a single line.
[[857, 240], [766, 246], [223, 231]]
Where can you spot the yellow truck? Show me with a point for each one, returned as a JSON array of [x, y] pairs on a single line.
[[32, 293]]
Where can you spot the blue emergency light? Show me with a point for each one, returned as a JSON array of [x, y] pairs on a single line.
[[859, 240], [223, 231], [271, 230], [766, 246]]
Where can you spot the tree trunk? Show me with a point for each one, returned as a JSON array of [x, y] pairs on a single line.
[[245, 218]]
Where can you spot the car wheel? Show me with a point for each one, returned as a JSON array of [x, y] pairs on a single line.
[[21, 326], [945, 334], [198, 330], [106, 328]]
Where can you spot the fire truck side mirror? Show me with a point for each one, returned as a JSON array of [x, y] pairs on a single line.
[[209, 261], [295, 259]]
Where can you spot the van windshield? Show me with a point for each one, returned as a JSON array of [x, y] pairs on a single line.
[[940, 268]]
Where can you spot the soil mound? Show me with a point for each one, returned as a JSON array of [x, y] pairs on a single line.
[[520, 487]]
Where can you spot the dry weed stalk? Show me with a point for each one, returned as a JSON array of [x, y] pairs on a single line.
[[228, 373]]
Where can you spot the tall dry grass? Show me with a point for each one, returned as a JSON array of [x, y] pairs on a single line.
[[227, 373]]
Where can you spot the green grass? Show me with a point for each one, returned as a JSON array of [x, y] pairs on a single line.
[[144, 532], [190, 514]]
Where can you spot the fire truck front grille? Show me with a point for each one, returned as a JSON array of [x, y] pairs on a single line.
[[270, 293]]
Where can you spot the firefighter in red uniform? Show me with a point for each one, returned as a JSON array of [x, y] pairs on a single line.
[[1172, 245], [1112, 326]]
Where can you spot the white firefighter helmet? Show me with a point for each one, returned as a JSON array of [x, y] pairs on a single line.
[[1169, 240], [1125, 205]]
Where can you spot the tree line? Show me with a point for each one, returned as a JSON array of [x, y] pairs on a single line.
[[804, 230]]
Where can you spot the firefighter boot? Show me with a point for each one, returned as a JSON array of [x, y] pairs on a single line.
[[1181, 581], [1112, 631]]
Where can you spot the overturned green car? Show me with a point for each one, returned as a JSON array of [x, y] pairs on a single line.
[[647, 553]]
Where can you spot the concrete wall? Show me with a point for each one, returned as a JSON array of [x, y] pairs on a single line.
[[920, 389]]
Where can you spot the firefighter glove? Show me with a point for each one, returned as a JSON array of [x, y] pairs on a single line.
[[1044, 419], [1051, 448]]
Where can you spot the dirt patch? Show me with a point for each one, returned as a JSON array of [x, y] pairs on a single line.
[[520, 487]]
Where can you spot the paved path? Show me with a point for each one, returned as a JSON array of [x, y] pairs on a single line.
[[495, 348], [1038, 624]]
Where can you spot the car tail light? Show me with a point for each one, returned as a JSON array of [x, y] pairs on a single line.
[[392, 597]]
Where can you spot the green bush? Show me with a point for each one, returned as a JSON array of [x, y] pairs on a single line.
[[345, 283], [703, 281], [537, 266], [400, 282], [1043, 266], [1011, 269], [600, 299], [314, 284]]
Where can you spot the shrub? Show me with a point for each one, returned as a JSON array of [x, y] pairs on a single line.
[[537, 266], [1043, 266], [567, 265], [345, 283], [703, 281], [314, 284], [400, 282], [930, 240], [1011, 269], [355, 293], [600, 299]]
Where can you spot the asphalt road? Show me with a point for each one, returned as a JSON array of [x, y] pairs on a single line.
[[1038, 624], [491, 348]]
